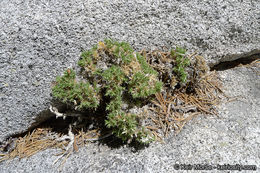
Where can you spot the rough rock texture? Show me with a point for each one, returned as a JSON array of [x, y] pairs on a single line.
[[39, 39], [231, 139]]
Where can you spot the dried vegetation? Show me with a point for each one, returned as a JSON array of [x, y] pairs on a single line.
[[168, 110]]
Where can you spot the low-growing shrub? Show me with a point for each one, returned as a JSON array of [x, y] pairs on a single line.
[[115, 68]]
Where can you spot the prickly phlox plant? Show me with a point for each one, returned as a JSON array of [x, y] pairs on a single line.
[[115, 70]]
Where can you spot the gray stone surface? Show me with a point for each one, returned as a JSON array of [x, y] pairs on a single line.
[[39, 39], [231, 139]]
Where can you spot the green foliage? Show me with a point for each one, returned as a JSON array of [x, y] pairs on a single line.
[[140, 86], [114, 104], [81, 94], [86, 95], [124, 125], [144, 136], [65, 84], [114, 75], [144, 83], [86, 58], [120, 50], [128, 71], [146, 68], [181, 63]]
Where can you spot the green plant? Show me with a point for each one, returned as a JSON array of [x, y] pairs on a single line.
[[126, 72], [181, 63], [126, 127], [140, 85], [83, 95]]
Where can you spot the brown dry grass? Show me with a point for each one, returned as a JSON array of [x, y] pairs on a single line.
[[42, 138], [166, 106]]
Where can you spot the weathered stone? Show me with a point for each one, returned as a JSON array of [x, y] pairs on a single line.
[[232, 138], [40, 39]]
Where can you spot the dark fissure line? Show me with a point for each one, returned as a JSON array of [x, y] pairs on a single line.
[[231, 64]]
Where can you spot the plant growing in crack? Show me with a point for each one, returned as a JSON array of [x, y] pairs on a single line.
[[112, 67], [121, 84]]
